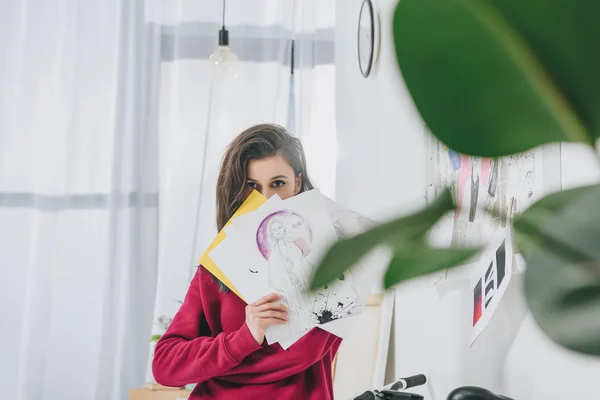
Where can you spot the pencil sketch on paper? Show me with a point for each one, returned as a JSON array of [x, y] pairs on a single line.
[[349, 223], [519, 182], [343, 299], [473, 182], [506, 185], [284, 238], [473, 187]]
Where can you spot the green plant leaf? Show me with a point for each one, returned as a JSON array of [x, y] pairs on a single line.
[[492, 78], [154, 338], [564, 298], [420, 259], [559, 237], [578, 224], [529, 226], [412, 228]]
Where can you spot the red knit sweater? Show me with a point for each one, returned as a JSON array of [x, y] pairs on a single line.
[[209, 343]]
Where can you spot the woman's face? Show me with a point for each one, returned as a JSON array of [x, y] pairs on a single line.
[[273, 175]]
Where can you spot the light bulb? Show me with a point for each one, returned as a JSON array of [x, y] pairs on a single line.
[[224, 63]]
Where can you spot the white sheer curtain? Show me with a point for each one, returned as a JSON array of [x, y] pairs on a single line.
[[314, 89], [78, 198], [111, 134], [199, 116]]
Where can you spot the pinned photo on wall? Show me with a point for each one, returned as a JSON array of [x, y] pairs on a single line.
[[506, 186], [490, 279], [475, 184], [473, 190]]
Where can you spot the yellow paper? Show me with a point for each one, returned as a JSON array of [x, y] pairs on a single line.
[[252, 203]]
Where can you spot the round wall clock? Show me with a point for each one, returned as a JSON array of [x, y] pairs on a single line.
[[366, 37]]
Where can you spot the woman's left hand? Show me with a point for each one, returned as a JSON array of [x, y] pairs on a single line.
[[263, 313]]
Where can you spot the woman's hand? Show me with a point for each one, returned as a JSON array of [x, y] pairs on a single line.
[[264, 313]]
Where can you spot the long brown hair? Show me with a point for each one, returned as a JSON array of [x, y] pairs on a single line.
[[256, 142]]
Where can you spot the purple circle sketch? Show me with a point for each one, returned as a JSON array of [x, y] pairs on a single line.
[[287, 226]]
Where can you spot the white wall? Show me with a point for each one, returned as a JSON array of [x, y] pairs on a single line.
[[381, 172], [380, 140]]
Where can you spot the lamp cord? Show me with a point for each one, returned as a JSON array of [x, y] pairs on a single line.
[[223, 14]]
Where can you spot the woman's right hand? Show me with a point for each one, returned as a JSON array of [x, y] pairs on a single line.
[[264, 313]]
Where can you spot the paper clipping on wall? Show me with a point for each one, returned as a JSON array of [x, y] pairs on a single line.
[[507, 185], [490, 279]]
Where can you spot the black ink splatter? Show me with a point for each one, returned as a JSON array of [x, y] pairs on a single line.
[[254, 272], [325, 316], [325, 312]]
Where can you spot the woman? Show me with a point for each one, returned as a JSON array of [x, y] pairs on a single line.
[[218, 341]]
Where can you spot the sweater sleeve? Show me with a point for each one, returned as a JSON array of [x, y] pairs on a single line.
[[274, 364], [183, 356]]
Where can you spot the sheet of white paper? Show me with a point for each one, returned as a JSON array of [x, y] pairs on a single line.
[[287, 342], [231, 256], [340, 327], [237, 229], [346, 222], [293, 237], [362, 277], [279, 244], [245, 277], [490, 279], [240, 225], [247, 264], [369, 270]]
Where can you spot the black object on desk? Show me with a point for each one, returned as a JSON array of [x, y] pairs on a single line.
[[394, 395], [388, 395], [474, 393]]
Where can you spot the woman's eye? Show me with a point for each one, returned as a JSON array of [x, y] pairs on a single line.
[[278, 183], [251, 185]]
